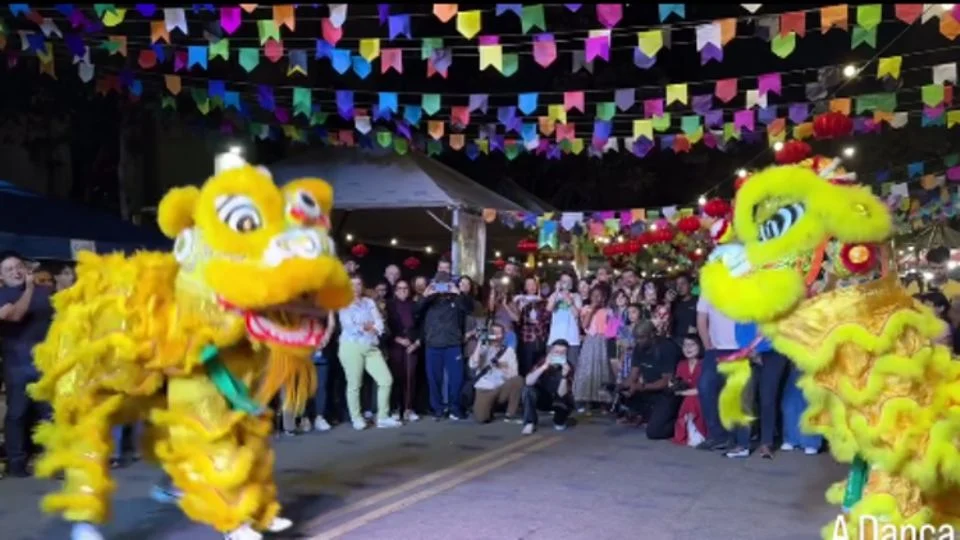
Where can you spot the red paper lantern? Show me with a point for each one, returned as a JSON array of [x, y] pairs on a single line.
[[793, 152], [689, 225], [716, 208], [832, 124], [359, 251], [527, 246], [412, 263], [499, 263]]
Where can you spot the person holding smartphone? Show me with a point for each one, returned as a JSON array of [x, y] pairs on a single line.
[[564, 306], [548, 386]]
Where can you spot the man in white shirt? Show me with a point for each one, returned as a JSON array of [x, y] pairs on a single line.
[[718, 333]]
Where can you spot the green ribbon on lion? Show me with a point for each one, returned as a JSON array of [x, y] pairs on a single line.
[[232, 389]]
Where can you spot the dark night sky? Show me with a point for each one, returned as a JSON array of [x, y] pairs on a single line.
[[574, 182]]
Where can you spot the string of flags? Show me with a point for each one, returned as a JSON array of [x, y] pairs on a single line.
[[781, 30]]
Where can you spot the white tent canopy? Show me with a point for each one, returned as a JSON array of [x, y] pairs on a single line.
[[382, 179]]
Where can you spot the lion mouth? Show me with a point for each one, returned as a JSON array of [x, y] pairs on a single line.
[[293, 324]]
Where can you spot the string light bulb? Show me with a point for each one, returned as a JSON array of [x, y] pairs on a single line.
[[349, 237], [702, 200], [393, 241], [429, 249], [496, 254], [850, 71], [849, 151], [742, 173], [777, 146]]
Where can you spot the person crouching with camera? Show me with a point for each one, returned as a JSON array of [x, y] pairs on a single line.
[[497, 381], [549, 384], [649, 393]]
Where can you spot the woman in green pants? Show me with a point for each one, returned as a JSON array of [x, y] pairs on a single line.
[[361, 327]]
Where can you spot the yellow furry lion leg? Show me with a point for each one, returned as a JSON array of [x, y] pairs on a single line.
[[214, 455], [732, 411], [78, 442]]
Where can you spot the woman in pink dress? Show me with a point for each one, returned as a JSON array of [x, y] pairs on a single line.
[[688, 371]]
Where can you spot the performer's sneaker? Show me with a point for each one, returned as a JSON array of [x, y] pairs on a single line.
[[246, 532], [85, 531], [165, 495], [279, 524]]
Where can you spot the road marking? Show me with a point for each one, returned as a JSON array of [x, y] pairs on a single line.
[[379, 497], [414, 498]]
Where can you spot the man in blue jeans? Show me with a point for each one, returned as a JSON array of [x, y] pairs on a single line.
[[718, 333], [767, 374], [442, 315]]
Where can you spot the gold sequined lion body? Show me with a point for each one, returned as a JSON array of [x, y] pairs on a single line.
[[811, 269], [195, 343]]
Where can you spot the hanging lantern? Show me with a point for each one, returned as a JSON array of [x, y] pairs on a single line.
[[689, 225], [793, 152], [359, 251], [499, 263], [716, 208], [529, 247], [832, 124], [412, 263]]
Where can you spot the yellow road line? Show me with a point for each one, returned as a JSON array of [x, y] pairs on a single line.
[[379, 497], [414, 498]]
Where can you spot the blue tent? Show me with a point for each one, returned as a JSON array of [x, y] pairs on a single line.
[[43, 228]]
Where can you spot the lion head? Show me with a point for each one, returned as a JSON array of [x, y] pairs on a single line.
[[251, 262], [797, 234]]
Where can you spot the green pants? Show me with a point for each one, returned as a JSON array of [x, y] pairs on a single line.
[[355, 358]]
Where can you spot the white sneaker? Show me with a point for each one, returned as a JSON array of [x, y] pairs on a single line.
[[279, 524], [368, 415], [388, 423], [454, 417], [411, 416], [246, 532], [738, 453], [528, 429], [395, 416], [560, 427], [359, 424], [320, 424], [811, 451], [787, 447], [85, 531]]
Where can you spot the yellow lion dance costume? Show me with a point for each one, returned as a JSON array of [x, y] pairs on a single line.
[[196, 343], [812, 271]]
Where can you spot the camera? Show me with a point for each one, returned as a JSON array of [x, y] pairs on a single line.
[[617, 406], [678, 385]]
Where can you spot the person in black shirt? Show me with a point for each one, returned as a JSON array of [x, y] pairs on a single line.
[[549, 385], [647, 391], [684, 308], [25, 316]]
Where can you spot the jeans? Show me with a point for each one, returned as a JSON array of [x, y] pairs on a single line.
[[135, 431], [449, 359], [709, 387], [320, 397], [561, 406], [22, 414], [792, 406], [766, 379]]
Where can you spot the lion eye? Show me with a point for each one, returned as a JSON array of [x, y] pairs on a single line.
[[778, 224], [239, 213]]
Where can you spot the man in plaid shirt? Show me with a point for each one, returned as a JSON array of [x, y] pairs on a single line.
[[534, 326]]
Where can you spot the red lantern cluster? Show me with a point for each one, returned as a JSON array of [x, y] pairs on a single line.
[[359, 251], [689, 225], [832, 124], [630, 247], [412, 263], [499, 263], [527, 246], [716, 208], [663, 235], [793, 152]]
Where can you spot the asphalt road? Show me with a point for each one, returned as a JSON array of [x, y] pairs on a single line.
[[461, 481]]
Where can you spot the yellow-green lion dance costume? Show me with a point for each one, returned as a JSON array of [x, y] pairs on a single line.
[[812, 270], [196, 342]]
